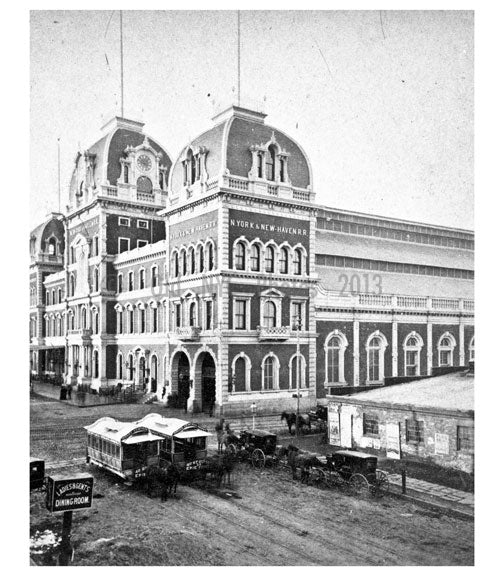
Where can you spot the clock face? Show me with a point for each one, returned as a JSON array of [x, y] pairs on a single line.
[[144, 163]]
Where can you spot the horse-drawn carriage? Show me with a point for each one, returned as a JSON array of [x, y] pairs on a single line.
[[259, 447], [357, 471]]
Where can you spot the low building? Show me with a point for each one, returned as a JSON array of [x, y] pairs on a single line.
[[428, 420]]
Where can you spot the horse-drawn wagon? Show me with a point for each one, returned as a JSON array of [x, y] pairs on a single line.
[[357, 470], [259, 447]]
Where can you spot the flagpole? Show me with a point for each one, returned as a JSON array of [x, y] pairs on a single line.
[[239, 56], [59, 179], [122, 65]]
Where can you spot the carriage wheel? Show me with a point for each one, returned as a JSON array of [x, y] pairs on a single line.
[[381, 486], [334, 479], [358, 484], [258, 458]]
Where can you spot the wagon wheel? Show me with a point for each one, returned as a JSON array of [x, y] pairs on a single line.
[[334, 479], [381, 485], [358, 484], [318, 478], [258, 458]]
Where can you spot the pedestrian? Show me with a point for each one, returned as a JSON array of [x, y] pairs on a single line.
[[69, 392], [219, 428], [119, 387], [164, 392]]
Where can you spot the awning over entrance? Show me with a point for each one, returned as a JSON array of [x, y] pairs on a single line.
[[192, 434], [139, 438]]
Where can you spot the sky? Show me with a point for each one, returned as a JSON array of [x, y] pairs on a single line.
[[381, 102]]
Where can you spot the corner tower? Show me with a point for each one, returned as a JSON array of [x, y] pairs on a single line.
[[240, 236]]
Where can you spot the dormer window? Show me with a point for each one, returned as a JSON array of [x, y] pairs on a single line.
[[270, 163], [126, 174]]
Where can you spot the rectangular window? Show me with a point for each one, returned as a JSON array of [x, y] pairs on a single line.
[[130, 281], [412, 363], [124, 221], [119, 283], [124, 245], [465, 438], [414, 431], [141, 243], [154, 319], [178, 315], [240, 318], [143, 224], [374, 364], [208, 314], [445, 358], [370, 425]]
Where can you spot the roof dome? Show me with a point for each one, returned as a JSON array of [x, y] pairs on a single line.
[[228, 149], [100, 164], [48, 239]]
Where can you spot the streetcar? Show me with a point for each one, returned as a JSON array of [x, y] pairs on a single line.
[[183, 443], [126, 449]]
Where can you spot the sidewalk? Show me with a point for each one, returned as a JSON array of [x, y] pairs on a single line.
[[439, 496]]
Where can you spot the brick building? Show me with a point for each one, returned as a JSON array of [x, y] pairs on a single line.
[[218, 276], [424, 420]]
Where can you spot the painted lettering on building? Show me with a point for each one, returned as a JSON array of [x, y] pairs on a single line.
[[193, 230], [268, 227]]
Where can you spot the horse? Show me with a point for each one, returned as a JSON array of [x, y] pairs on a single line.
[[166, 478], [221, 466], [290, 418], [298, 459]]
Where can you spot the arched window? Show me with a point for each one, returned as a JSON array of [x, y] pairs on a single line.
[[201, 259], [120, 320], [130, 367], [255, 258], [72, 285], [445, 349], [154, 324], [119, 368], [126, 173], [53, 296], [240, 373], [284, 261], [51, 247], [335, 347], [269, 316], [376, 357], [96, 279], [210, 256], [154, 276], [144, 185], [131, 320], [141, 279], [270, 163], [282, 169], [131, 285], [270, 372], [184, 262], [192, 260], [192, 314], [97, 322], [59, 295], [298, 262], [191, 168], [295, 361], [269, 259], [96, 365], [413, 344], [83, 319], [239, 256], [175, 264], [141, 313], [471, 350]]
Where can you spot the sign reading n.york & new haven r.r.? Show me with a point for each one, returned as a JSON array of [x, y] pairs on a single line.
[[277, 228], [72, 493]]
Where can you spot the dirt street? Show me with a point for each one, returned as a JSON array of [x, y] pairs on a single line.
[[263, 518]]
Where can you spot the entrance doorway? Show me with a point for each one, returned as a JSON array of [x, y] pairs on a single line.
[[180, 373], [141, 372], [207, 383], [153, 373]]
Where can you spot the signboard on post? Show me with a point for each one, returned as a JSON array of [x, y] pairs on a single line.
[[64, 494], [393, 441]]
